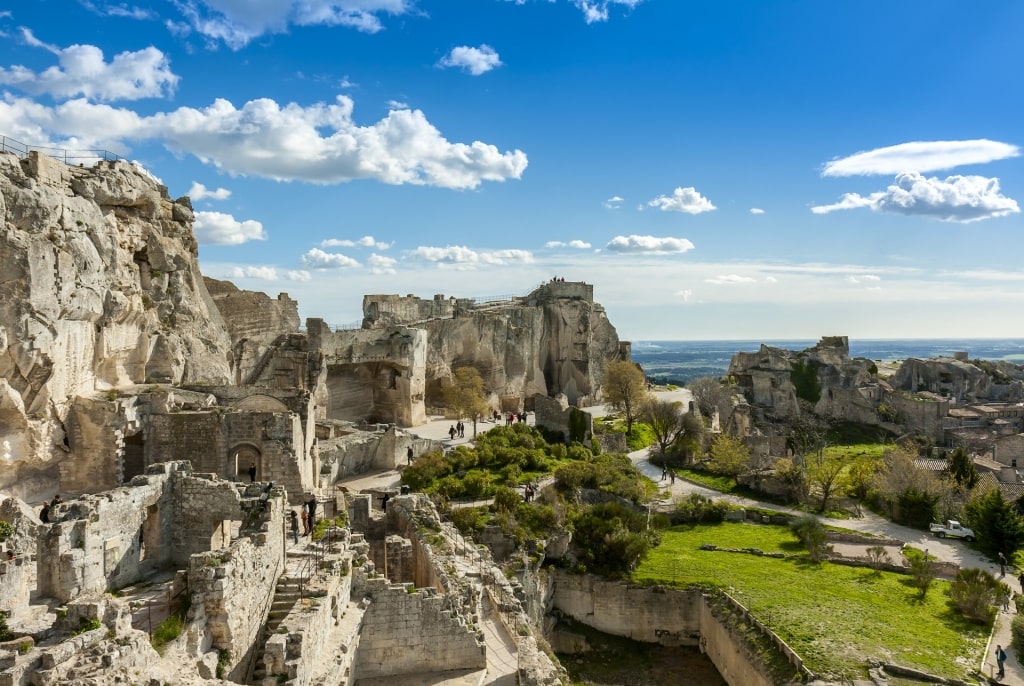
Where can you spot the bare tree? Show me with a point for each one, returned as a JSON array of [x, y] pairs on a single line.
[[674, 429], [708, 394]]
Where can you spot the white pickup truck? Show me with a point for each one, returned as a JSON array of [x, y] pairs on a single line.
[[952, 529]]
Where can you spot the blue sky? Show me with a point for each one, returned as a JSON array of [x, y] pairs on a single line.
[[747, 170]]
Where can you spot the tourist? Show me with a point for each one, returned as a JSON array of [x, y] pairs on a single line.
[[252, 473], [461, 428], [44, 514], [305, 521], [384, 501], [1002, 565], [1021, 580], [664, 472], [293, 519], [408, 455], [1000, 659], [452, 431], [672, 477], [311, 505]]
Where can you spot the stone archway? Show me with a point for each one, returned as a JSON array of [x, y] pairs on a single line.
[[242, 456]]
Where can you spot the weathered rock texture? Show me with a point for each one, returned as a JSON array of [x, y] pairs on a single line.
[[100, 289], [554, 340]]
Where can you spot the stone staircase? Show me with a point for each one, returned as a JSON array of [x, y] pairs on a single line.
[[286, 595]]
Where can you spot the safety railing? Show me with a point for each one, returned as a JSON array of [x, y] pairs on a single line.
[[63, 154]]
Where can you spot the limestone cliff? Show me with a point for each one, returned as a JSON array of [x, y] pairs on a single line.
[[556, 340], [833, 383], [99, 289]]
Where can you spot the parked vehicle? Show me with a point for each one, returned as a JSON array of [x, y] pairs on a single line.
[[952, 529]]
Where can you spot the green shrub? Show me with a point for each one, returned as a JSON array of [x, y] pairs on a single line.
[[611, 539], [5, 633], [811, 534], [87, 625], [804, 376], [167, 631], [25, 647], [1017, 635], [699, 509], [506, 499], [6, 530], [975, 594], [223, 660]]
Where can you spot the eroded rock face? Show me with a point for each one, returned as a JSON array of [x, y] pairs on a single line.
[[99, 289], [554, 341]]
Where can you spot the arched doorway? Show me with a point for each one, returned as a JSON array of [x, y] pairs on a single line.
[[242, 458]]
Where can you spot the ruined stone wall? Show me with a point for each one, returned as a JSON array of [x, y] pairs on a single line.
[[232, 588], [101, 289], [202, 504], [919, 414], [107, 541], [17, 579], [554, 413], [651, 615], [361, 452], [409, 633], [253, 315], [731, 657], [384, 310], [374, 375]]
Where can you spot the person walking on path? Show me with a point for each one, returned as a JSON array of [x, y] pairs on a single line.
[[1002, 565], [252, 473], [305, 522], [311, 505], [293, 520], [452, 431], [1000, 660]]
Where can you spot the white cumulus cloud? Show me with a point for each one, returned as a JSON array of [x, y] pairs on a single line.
[[920, 156], [686, 200], [319, 144], [300, 275], [380, 264], [576, 243], [654, 245], [954, 199], [476, 61], [200, 192], [316, 258], [364, 242], [756, 210], [237, 22], [218, 228], [83, 71], [597, 10]]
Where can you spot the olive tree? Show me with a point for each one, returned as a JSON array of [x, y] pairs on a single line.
[[465, 395], [625, 389]]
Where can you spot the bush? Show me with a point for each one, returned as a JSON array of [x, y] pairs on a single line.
[[811, 533], [922, 571], [698, 509], [611, 539], [6, 530], [1017, 635], [506, 499], [167, 631], [975, 594]]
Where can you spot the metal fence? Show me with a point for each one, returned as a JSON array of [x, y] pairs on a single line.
[[64, 155]]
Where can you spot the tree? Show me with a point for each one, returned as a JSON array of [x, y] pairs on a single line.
[[827, 472], [812, 534], [901, 482], [708, 393], [961, 470], [674, 429], [728, 456], [996, 523], [922, 573], [465, 395], [625, 389]]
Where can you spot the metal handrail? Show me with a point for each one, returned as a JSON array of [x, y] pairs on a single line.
[[63, 154]]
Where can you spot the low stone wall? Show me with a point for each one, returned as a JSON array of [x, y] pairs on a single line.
[[16, 583], [648, 614], [408, 631]]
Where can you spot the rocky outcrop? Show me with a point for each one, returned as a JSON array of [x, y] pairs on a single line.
[[957, 379], [556, 340], [824, 376], [100, 289]]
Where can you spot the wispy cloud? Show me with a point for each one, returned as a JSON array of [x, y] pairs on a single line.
[[614, 202], [686, 200], [476, 61], [268, 273], [238, 23], [218, 228], [954, 199], [653, 245], [380, 264], [756, 210], [728, 279], [462, 257], [920, 156], [364, 242], [578, 244]]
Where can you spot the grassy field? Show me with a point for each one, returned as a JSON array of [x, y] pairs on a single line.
[[834, 617]]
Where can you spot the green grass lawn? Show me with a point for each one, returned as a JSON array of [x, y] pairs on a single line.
[[834, 617]]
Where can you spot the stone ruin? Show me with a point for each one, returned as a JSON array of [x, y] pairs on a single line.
[[143, 392]]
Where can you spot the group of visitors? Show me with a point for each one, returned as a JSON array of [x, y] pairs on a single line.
[[457, 430], [514, 417], [667, 473], [529, 491], [308, 518]]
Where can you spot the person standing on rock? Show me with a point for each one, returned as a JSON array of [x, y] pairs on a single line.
[[252, 473]]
